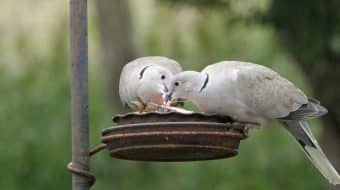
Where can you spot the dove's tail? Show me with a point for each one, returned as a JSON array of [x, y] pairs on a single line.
[[295, 123], [300, 130]]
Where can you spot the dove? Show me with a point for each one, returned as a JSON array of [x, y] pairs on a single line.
[[254, 93], [144, 81]]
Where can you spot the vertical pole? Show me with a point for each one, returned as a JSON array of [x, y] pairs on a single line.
[[79, 92]]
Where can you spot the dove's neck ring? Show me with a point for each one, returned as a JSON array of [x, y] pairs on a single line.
[[201, 85], [142, 71], [197, 85], [206, 80]]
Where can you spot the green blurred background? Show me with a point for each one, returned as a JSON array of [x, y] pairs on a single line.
[[299, 39]]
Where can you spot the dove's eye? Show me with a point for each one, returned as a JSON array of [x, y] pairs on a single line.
[[177, 83], [163, 77]]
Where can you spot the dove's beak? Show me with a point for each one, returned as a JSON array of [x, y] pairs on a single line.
[[165, 88], [165, 94], [168, 97]]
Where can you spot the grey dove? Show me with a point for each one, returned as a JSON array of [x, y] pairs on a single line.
[[145, 81], [254, 93]]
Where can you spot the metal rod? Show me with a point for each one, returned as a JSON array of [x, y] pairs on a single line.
[[79, 93]]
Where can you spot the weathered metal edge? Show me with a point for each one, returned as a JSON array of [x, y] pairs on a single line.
[[229, 153], [227, 126], [108, 138], [134, 114]]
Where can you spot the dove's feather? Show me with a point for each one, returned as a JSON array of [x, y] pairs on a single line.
[[301, 132]]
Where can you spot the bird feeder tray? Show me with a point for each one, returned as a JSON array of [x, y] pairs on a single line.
[[173, 136]]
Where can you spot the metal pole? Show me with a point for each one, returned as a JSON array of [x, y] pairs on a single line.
[[79, 93]]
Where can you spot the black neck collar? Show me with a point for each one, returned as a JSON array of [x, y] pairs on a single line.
[[142, 72], [205, 82]]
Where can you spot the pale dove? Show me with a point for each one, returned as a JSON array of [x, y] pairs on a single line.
[[254, 93], [145, 81]]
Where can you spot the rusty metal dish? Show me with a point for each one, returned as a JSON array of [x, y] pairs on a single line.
[[173, 136]]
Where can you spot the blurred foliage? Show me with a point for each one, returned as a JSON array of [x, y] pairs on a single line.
[[201, 3], [320, 22], [35, 100], [312, 38]]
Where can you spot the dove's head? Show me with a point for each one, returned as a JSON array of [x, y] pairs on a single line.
[[186, 85], [154, 84]]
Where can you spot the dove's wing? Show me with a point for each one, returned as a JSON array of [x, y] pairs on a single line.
[[263, 91], [268, 94], [128, 83]]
